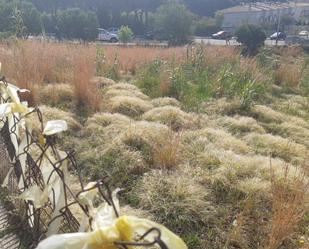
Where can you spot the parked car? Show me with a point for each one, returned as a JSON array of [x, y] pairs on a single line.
[[222, 35], [278, 36], [104, 35], [304, 33], [113, 30], [149, 35]]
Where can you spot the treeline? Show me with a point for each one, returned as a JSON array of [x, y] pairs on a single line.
[[79, 19]]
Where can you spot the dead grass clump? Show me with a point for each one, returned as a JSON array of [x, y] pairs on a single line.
[[102, 82], [160, 146], [130, 106], [85, 92], [167, 153], [106, 119], [102, 128], [293, 105], [121, 164], [277, 146], [288, 74], [234, 166], [57, 95], [165, 101], [147, 131], [266, 114], [171, 116], [221, 106], [292, 131], [51, 113], [123, 86], [254, 185], [176, 200], [290, 202], [225, 140], [127, 93], [240, 124]]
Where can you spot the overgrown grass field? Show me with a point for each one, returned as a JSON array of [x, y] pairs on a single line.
[[212, 144]]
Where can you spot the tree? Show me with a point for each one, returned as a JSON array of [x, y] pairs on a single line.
[[125, 34], [19, 18], [78, 24], [174, 21], [252, 36], [208, 26], [31, 18]]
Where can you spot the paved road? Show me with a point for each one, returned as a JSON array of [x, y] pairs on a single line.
[[232, 42]]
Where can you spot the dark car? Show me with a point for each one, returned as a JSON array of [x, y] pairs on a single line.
[[278, 36], [222, 35], [149, 35]]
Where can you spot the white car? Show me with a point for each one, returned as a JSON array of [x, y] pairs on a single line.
[[304, 33], [104, 35], [113, 30]]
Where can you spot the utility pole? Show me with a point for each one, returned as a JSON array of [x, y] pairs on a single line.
[[278, 27]]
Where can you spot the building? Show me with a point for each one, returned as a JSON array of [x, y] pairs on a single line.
[[264, 13]]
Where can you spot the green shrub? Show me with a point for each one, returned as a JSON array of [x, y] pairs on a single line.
[[149, 80], [174, 21], [75, 23], [125, 34], [206, 27], [253, 37]]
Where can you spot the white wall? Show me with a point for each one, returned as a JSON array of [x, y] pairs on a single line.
[[233, 20]]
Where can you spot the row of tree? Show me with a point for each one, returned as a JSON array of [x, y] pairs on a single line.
[[79, 19]]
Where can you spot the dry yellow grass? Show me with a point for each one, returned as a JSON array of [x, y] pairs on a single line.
[[267, 114], [50, 113], [85, 92], [218, 137], [102, 82], [221, 106], [160, 146], [166, 101], [277, 146], [288, 75], [130, 106], [57, 95], [240, 124], [123, 86], [290, 202], [292, 131], [197, 180], [127, 93], [131, 58], [175, 199], [171, 116]]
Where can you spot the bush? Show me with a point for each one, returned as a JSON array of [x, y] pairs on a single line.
[[253, 37], [206, 27], [125, 34], [78, 24], [174, 20]]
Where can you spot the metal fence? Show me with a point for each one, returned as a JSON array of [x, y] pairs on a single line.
[[22, 168]]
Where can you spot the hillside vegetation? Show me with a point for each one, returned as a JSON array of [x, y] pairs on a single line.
[[211, 144]]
